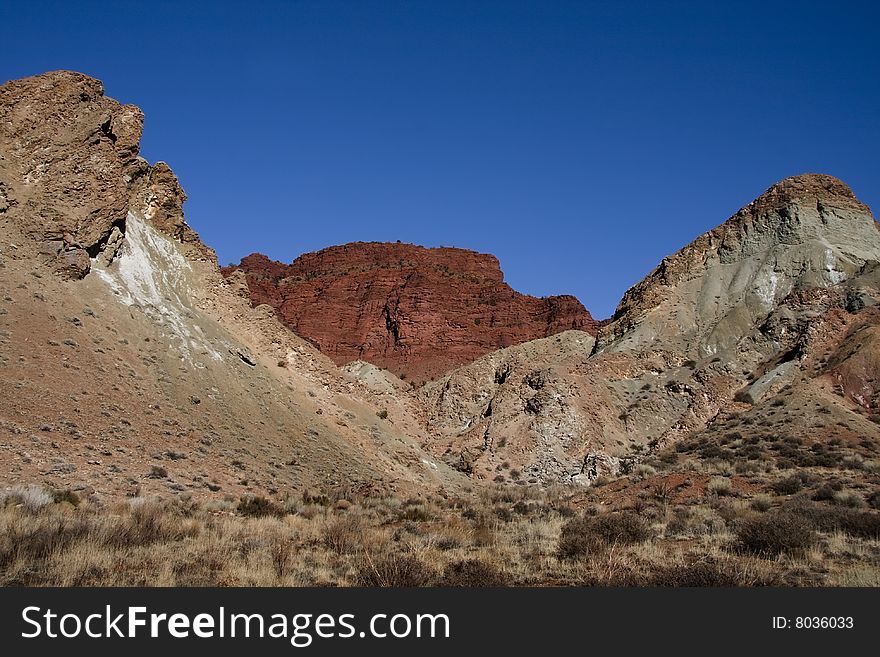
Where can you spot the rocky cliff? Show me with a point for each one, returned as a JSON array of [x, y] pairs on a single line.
[[70, 172], [416, 311]]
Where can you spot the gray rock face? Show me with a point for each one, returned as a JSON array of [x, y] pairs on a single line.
[[781, 375], [804, 232]]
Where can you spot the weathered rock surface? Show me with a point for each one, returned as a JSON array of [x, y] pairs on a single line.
[[781, 297], [415, 311], [808, 231], [70, 171]]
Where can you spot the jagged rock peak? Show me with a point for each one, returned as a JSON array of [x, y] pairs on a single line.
[[70, 172], [819, 186]]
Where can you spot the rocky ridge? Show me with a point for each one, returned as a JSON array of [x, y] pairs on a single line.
[[70, 172], [130, 365], [770, 301]]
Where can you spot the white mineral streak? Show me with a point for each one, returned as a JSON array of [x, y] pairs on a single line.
[[149, 273]]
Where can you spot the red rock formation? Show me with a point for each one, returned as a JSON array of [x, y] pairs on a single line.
[[415, 311]]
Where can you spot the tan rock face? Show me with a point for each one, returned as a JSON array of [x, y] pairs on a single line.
[[415, 311], [70, 171], [69, 155]]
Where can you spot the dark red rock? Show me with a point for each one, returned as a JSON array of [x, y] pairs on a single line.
[[416, 311]]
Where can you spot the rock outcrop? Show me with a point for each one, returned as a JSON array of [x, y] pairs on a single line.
[[415, 311], [70, 172]]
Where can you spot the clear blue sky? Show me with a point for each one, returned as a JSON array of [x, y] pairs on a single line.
[[580, 142]]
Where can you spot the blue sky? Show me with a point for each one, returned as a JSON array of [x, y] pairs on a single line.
[[580, 142]]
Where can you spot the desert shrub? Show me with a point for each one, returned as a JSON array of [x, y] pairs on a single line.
[[415, 513], [773, 534], [157, 472], [472, 572], [68, 496], [874, 499], [470, 513], [855, 522], [681, 521], [147, 524], [787, 486], [584, 535], [720, 486], [393, 570], [503, 513], [40, 537], [343, 535], [256, 506], [761, 503], [522, 508], [823, 494], [709, 573], [32, 498], [747, 467], [717, 452], [448, 543], [319, 499], [848, 498], [280, 550], [643, 471], [669, 458], [859, 523]]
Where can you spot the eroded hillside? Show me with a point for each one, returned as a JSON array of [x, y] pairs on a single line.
[[765, 303], [129, 365]]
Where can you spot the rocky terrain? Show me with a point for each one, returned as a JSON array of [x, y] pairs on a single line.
[[129, 366], [768, 301], [724, 422], [414, 311]]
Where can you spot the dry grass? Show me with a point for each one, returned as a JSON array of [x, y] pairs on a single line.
[[504, 537]]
